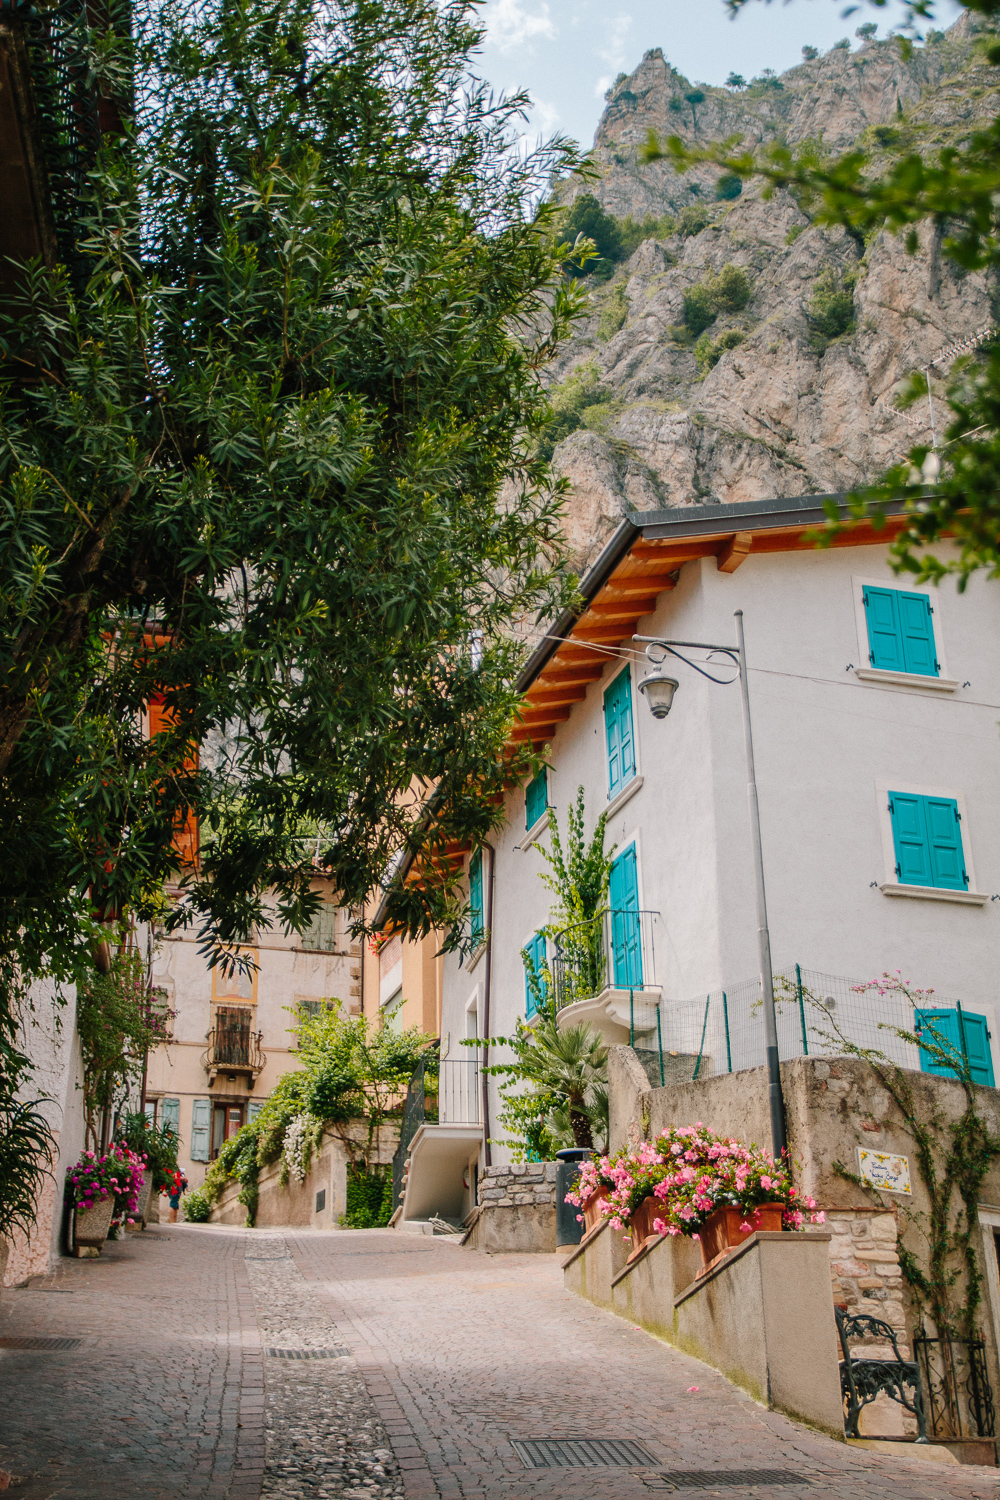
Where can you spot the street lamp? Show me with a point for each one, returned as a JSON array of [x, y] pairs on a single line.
[[659, 691]]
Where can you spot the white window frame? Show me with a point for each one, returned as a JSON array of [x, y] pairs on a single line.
[[866, 672], [891, 886]]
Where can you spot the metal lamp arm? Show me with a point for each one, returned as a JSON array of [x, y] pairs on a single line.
[[670, 647]]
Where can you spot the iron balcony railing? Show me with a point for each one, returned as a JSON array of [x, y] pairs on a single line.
[[614, 951], [232, 1045], [459, 1091]]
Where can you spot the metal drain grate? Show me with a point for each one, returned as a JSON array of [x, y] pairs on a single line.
[[12, 1343], [717, 1479], [267, 1257], [583, 1453], [308, 1353]]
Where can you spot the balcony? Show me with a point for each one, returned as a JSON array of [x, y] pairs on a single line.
[[232, 1046], [459, 1092], [604, 973]]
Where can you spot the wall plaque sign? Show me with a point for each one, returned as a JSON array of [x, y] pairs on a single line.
[[884, 1170]]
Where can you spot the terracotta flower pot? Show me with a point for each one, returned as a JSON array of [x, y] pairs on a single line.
[[92, 1224], [591, 1208], [721, 1231], [641, 1226]]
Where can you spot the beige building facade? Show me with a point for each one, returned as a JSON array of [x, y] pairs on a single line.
[[233, 1036]]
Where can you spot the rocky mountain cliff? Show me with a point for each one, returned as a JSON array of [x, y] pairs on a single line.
[[788, 387]]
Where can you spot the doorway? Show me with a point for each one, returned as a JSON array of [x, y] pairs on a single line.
[[226, 1121]]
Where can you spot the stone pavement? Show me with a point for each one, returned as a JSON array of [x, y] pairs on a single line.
[[424, 1362]]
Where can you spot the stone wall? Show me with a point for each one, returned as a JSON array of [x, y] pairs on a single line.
[[517, 1209]]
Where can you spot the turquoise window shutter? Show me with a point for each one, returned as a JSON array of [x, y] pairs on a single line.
[[536, 798], [900, 631], [626, 946], [254, 1108], [916, 627], [927, 838], [620, 732], [954, 1028], [170, 1114], [944, 837], [476, 894], [201, 1126], [537, 952]]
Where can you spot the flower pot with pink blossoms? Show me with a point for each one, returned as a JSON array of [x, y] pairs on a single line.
[[635, 1172], [720, 1191], [104, 1188], [590, 1193]]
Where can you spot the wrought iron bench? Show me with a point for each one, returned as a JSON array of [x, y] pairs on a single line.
[[861, 1379]]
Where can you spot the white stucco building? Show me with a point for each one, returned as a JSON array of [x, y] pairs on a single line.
[[875, 709]]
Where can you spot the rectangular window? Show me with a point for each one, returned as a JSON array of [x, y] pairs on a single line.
[[201, 1124], [900, 631], [626, 945], [477, 925], [254, 1107], [966, 1033], [170, 1114], [321, 934], [620, 736], [927, 839], [537, 798], [537, 953]]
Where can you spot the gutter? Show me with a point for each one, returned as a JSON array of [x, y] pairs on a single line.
[[487, 995]]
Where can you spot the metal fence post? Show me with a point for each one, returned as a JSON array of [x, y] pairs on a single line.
[[802, 1010], [701, 1048], [659, 1042], [725, 1019]]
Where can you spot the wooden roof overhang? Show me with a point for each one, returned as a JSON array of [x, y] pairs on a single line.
[[640, 563]]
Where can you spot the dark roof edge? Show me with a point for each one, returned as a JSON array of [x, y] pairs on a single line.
[[752, 515], [596, 576]]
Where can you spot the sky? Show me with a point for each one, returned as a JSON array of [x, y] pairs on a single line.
[[567, 52]]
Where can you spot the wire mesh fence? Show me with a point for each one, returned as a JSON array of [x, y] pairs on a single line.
[[818, 1015]]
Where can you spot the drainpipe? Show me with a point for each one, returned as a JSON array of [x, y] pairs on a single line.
[[487, 985]]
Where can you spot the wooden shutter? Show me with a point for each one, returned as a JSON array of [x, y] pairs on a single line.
[[476, 893], [537, 798], [619, 731], [626, 947], [916, 628], [201, 1124], [537, 952], [954, 1030], [885, 646], [944, 840], [909, 837], [170, 1114], [900, 631]]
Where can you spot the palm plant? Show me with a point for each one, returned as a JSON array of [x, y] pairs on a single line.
[[26, 1152]]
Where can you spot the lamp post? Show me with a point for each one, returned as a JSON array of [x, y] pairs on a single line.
[[658, 690]]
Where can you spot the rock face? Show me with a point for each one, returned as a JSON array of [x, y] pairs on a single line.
[[798, 404]]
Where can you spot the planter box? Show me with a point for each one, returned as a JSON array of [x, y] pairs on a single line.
[[591, 1209], [142, 1207], [91, 1225], [641, 1227], [721, 1231]]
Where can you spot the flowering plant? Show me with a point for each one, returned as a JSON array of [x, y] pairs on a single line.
[[593, 1174], [117, 1175], [691, 1172]]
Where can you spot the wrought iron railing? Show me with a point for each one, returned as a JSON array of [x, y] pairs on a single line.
[[957, 1394], [235, 1047], [615, 950], [459, 1091]]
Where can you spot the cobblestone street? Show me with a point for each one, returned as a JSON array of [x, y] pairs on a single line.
[[212, 1362]]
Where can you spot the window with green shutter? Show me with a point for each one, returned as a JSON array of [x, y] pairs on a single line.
[[201, 1128], [927, 841], [534, 969], [477, 925], [536, 798], [962, 1031], [900, 631], [619, 732]]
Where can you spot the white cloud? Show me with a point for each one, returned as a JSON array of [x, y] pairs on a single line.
[[512, 23], [613, 51], [546, 116]]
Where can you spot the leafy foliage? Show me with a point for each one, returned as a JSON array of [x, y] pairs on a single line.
[[587, 220], [256, 436], [369, 1197], [727, 290], [566, 1072], [570, 403], [614, 312], [197, 1206], [830, 309], [729, 186], [118, 1025], [158, 1144], [708, 351]]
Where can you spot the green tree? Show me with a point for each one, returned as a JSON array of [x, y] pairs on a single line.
[[736, 81], [728, 290], [579, 879], [252, 442], [554, 1071], [867, 32], [810, 54], [925, 193], [695, 97], [587, 220], [728, 186]]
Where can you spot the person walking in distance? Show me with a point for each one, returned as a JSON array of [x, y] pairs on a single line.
[[178, 1186]]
